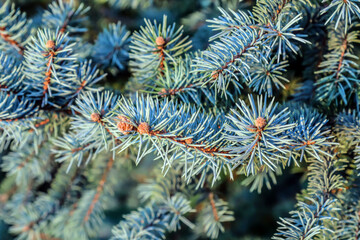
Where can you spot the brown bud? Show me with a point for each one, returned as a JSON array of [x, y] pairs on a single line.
[[95, 117], [143, 128], [50, 44], [124, 125], [260, 122], [188, 141], [160, 41]]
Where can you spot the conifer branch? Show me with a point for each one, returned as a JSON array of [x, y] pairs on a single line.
[[13, 28], [112, 45], [213, 207], [338, 70], [343, 51], [157, 44], [66, 21], [308, 221], [65, 16], [63, 137], [8, 38], [99, 189]]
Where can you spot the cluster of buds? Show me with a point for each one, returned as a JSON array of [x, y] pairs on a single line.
[[124, 126]]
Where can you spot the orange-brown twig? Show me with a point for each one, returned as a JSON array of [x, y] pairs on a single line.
[[99, 189], [343, 48], [166, 92], [8, 39], [66, 22], [213, 207], [161, 44]]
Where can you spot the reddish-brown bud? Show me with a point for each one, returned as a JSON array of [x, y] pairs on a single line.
[[260, 122], [95, 117], [124, 125], [160, 41], [50, 44], [143, 128]]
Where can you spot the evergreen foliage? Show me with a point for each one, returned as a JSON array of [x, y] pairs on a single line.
[[274, 91]]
